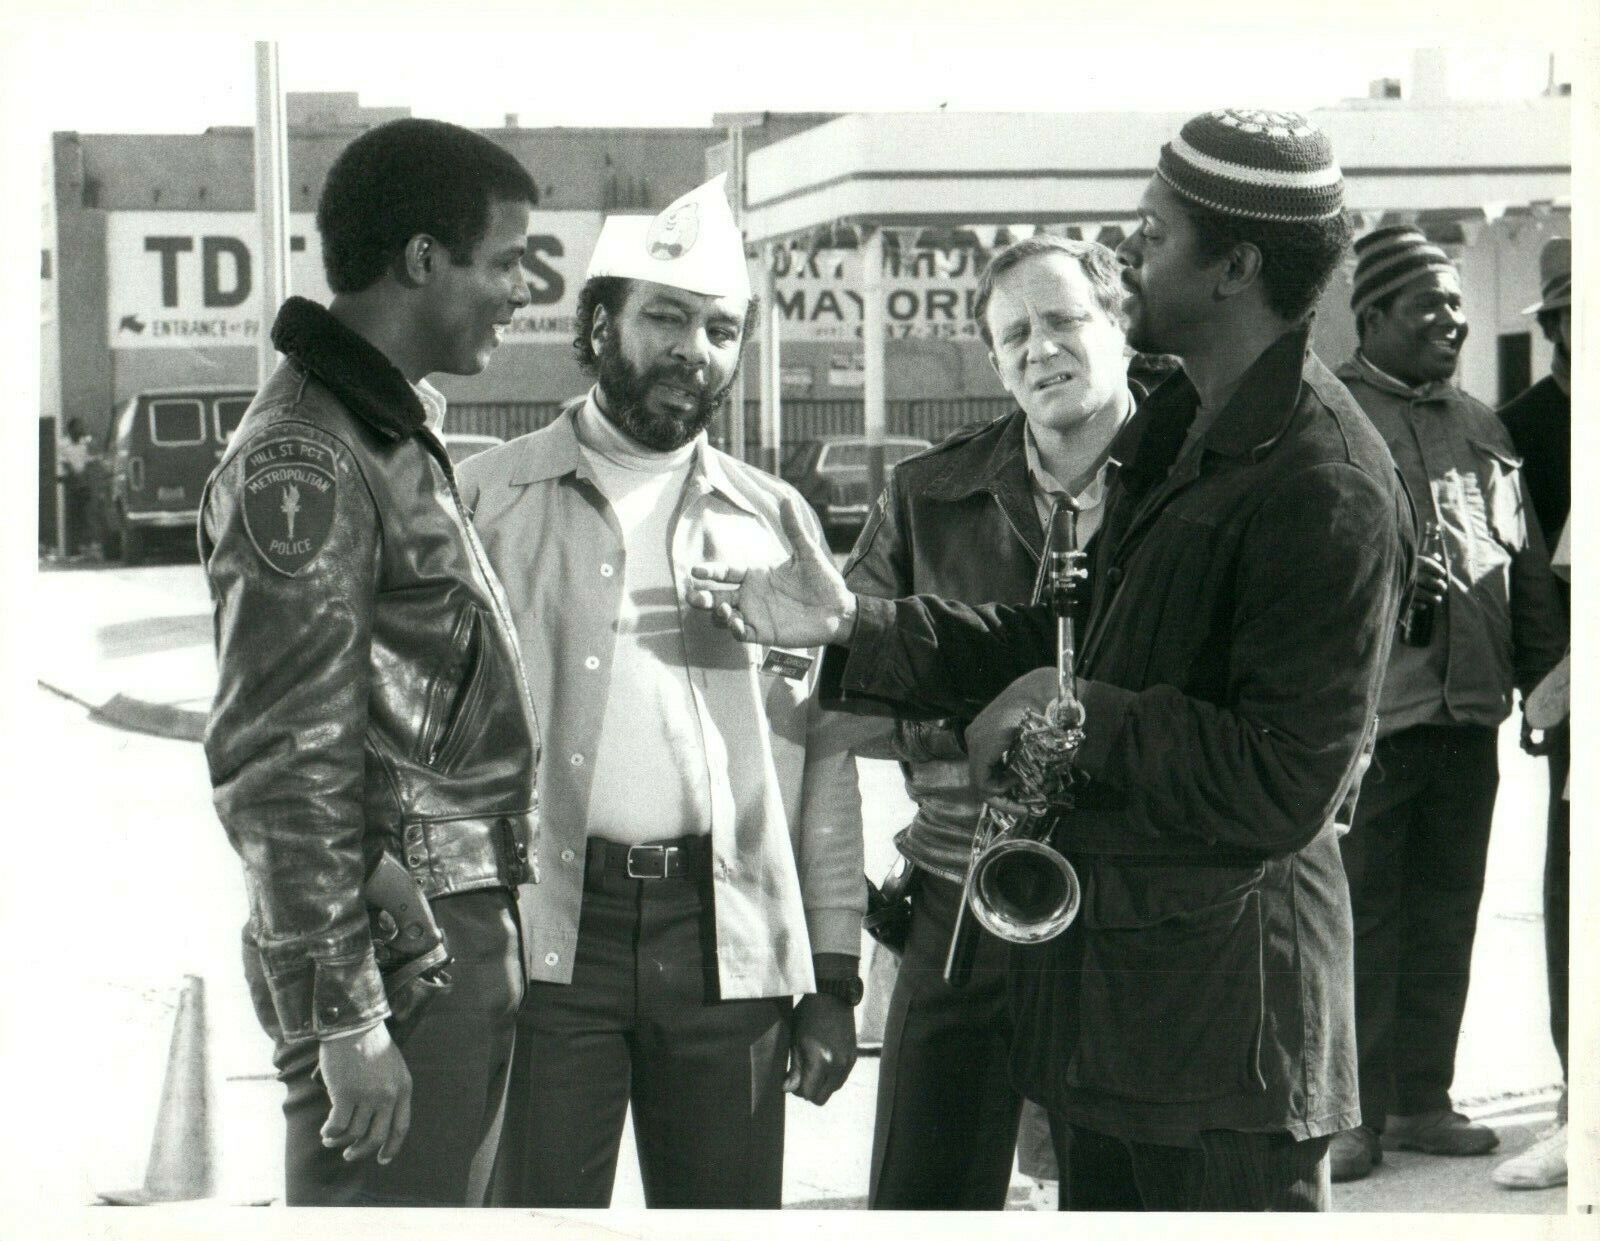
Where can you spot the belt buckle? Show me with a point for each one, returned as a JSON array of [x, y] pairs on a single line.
[[658, 854]]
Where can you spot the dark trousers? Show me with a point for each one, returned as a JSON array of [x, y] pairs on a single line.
[[458, 1050], [1415, 860], [1557, 859], [946, 1124], [1225, 1171], [641, 1023]]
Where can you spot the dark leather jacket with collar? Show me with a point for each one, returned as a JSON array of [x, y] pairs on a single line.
[[957, 521], [369, 695], [1244, 601]]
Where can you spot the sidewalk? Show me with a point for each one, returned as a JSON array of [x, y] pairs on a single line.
[[135, 646]]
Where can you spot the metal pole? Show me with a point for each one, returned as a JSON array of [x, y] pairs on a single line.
[[872, 344], [272, 200], [771, 365], [736, 192]]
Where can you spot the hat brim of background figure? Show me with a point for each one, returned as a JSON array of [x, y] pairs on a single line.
[[1555, 276], [694, 245]]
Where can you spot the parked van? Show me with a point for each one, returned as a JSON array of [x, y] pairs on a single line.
[[163, 446]]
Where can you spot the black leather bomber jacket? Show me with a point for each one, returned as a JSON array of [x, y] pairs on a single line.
[[370, 696]]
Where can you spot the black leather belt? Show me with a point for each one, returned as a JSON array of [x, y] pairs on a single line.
[[683, 858]]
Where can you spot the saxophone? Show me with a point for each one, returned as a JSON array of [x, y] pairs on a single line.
[[1017, 887]]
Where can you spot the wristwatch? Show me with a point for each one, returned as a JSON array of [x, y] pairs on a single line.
[[850, 990]]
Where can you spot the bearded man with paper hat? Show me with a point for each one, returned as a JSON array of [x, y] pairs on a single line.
[[702, 854]]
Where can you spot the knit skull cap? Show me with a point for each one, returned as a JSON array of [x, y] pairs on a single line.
[[1255, 163], [1391, 257]]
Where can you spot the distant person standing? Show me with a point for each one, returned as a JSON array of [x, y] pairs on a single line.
[[1540, 423], [1483, 620], [74, 457]]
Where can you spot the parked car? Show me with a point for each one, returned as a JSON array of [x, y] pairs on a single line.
[[831, 473], [461, 446], [162, 446]]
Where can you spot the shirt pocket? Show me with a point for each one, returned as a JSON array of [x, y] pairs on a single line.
[[1172, 983], [1499, 493]]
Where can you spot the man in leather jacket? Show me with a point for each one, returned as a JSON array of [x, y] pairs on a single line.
[[967, 520], [370, 701]]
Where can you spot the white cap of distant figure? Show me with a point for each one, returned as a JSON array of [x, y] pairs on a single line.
[[694, 244]]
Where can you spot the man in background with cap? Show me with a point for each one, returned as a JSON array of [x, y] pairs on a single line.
[[1417, 853], [1245, 584], [1540, 423], [702, 862]]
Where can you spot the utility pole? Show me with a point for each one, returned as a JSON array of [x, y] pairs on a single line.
[[272, 201]]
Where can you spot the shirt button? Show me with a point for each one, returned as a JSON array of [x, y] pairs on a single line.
[[606, 570], [577, 760], [551, 958], [330, 1012], [592, 662], [1113, 575], [567, 855]]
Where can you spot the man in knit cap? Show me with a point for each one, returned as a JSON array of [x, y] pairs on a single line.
[[702, 863], [1540, 423], [1245, 584], [1483, 619]]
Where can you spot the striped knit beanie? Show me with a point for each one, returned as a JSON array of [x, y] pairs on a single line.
[[1254, 163], [1389, 257]]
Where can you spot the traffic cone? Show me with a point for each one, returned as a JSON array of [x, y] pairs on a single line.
[[882, 969], [183, 1151]]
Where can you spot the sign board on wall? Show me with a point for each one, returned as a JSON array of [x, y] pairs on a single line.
[[928, 293], [186, 279]]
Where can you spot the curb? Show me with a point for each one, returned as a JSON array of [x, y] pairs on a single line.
[[136, 715]]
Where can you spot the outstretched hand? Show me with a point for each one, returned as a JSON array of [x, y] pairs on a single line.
[[801, 602]]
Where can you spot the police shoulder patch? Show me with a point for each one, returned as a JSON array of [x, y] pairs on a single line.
[[290, 487]]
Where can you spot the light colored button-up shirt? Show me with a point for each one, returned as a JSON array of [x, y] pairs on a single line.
[[1090, 503], [784, 806]]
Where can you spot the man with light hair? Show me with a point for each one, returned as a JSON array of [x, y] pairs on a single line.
[[968, 520]]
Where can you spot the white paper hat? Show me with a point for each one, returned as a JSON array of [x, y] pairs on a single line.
[[694, 244]]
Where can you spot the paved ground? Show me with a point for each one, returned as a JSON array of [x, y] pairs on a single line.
[[123, 820]]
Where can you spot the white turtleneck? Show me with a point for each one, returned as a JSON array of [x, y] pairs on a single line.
[[648, 781]]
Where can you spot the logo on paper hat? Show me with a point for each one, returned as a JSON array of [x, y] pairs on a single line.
[[694, 245], [673, 233]]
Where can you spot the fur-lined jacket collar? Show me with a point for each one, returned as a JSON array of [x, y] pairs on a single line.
[[354, 369]]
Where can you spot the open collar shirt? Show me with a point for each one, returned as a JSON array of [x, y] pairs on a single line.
[[784, 807]]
